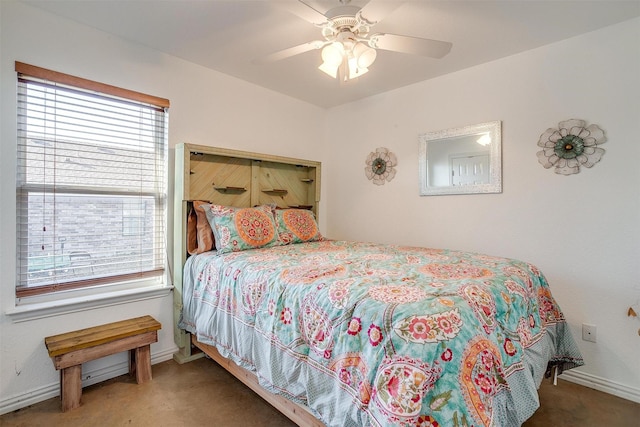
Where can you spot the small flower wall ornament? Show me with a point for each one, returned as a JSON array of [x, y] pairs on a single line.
[[380, 165], [571, 145]]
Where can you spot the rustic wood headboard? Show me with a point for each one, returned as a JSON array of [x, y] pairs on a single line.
[[232, 178]]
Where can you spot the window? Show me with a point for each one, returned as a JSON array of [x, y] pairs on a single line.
[[91, 194], [133, 218]]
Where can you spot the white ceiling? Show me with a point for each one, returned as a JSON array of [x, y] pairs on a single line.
[[228, 36]]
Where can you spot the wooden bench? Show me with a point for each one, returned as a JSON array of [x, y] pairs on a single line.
[[70, 350]]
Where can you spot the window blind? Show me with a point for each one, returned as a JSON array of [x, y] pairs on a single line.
[[91, 193]]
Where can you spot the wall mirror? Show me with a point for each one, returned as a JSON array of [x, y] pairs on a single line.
[[466, 160]]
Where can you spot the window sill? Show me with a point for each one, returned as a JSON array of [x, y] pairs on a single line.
[[40, 310]]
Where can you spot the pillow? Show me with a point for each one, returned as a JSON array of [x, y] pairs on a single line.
[[297, 226], [192, 233], [199, 233], [238, 229]]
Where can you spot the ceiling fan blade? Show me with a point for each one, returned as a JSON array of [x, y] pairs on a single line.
[[304, 11], [412, 45], [376, 11], [291, 51]]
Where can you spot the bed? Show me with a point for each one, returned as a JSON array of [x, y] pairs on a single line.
[[343, 333]]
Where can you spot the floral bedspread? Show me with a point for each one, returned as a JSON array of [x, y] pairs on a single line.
[[367, 334]]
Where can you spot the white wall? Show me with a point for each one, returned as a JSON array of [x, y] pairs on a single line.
[[207, 108], [583, 231]]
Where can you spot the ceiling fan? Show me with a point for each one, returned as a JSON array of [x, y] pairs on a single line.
[[348, 48]]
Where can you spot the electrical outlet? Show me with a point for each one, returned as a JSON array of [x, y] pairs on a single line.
[[589, 332]]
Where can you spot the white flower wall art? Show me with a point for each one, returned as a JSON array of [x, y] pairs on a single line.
[[380, 166], [571, 145]]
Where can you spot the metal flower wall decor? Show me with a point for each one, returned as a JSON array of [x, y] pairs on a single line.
[[570, 146], [380, 166]]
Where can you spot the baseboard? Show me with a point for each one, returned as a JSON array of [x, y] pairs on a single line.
[[181, 358], [93, 377], [602, 384], [48, 391]]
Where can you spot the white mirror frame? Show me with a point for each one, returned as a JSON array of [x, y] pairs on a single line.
[[495, 159]]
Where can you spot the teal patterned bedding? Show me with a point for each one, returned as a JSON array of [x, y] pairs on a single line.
[[366, 334]]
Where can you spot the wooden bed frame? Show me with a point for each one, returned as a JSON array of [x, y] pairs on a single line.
[[242, 179]]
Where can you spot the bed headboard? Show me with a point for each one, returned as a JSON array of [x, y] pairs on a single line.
[[233, 178]]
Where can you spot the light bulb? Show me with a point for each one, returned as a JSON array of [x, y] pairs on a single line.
[[333, 54], [329, 69], [364, 55], [355, 70]]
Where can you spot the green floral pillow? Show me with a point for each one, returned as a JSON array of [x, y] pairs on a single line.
[[297, 226], [238, 229]]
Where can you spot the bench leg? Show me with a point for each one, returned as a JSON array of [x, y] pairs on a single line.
[[140, 363], [70, 387]]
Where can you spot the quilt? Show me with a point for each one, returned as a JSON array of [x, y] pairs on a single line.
[[369, 334]]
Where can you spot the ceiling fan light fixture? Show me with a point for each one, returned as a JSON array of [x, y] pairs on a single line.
[[484, 140], [349, 48], [346, 62]]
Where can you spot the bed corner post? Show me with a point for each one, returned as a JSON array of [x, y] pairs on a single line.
[[181, 196]]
